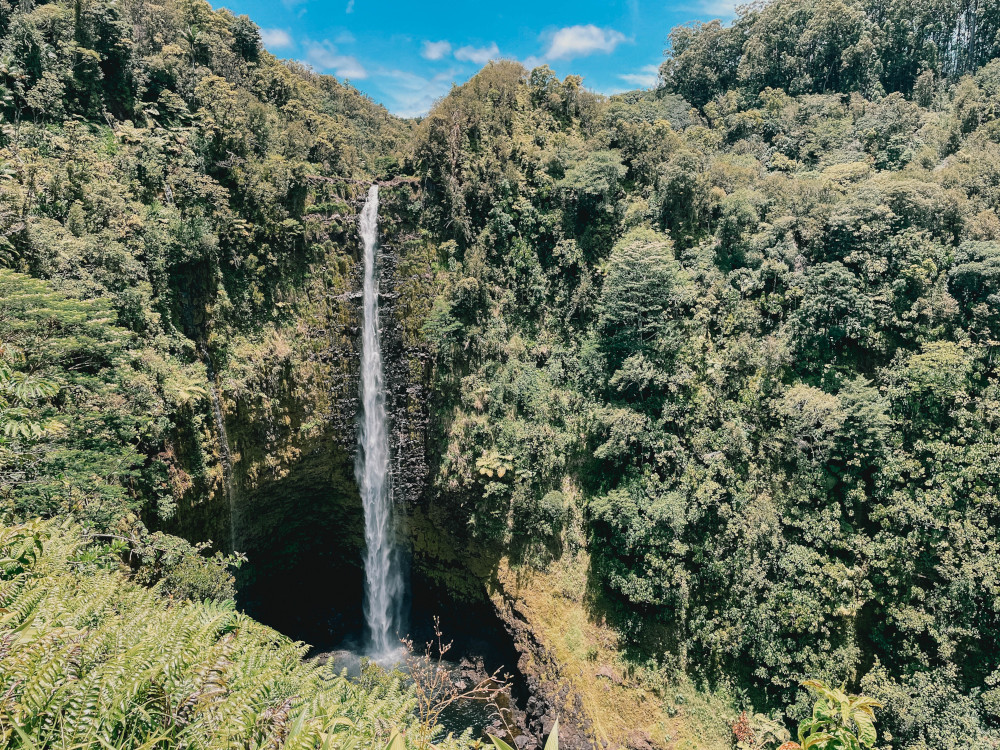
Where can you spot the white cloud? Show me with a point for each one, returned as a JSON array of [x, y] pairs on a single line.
[[435, 50], [350, 6], [345, 37], [412, 95], [324, 56], [646, 77], [579, 41], [477, 55], [276, 38]]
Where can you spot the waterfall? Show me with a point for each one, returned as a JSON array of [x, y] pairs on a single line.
[[383, 579], [225, 455]]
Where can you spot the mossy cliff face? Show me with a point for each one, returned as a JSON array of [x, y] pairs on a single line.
[[446, 567], [279, 480], [288, 401]]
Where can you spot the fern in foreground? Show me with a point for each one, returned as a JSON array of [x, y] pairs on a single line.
[[89, 659]]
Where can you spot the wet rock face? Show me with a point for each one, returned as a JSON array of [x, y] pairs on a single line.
[[405, 362], [405, 293], [576, 731]]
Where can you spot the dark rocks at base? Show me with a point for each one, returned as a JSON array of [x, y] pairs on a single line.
[[548, 698], [549, 701]]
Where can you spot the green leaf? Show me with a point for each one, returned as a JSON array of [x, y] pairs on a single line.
[[552, 743], [28, 744], [499, 744], [866, 730], [817, 740]]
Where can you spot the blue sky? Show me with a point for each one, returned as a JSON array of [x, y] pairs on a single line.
[[407, 54]]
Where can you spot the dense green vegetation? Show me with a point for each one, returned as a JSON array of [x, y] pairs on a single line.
[[743, 353], [732, 340], [165, 188], [91, 660]]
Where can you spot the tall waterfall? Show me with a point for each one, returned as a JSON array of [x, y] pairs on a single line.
[[383, 579]]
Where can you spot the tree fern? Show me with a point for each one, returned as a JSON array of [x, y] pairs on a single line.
[[91, 660]]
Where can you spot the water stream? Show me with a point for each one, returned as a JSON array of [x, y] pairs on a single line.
[[225, 454], [383, 577]]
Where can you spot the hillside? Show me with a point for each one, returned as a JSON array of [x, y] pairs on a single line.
[[693, 390], [742, 354]]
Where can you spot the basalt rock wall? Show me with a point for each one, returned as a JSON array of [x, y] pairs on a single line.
[[288, 400]]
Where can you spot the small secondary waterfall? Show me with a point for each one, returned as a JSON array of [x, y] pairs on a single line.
[[225, 454], [383, 579]]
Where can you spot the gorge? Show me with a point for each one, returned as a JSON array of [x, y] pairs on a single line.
[[679, 404]]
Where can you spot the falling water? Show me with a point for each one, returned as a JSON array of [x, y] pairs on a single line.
[[224, 453], [383, 581]]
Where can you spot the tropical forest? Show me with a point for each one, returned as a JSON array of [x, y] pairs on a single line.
[[660, 419]]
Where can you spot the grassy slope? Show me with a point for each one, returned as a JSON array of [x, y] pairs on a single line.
[[577, 649]]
